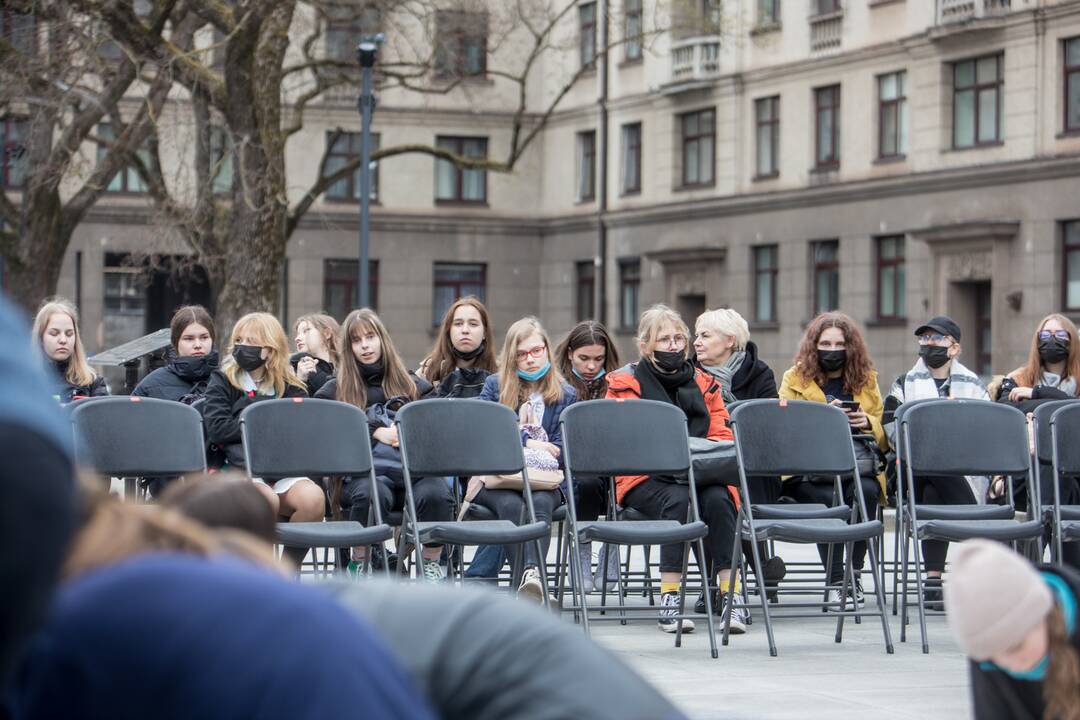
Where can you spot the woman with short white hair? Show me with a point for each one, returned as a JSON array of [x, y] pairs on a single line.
[[724, 350]]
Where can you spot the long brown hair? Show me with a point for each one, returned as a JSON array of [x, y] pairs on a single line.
[[513, 391], [1029, 374], [587, 332], [79, 372], [329, 330], [350, 384], [858, 369], [1063, 673], [268, 332], [187, 315], [442, 361]]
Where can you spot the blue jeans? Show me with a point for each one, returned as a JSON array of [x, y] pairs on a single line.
[[487, 562]]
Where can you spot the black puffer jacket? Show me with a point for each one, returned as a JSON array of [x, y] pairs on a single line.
[[182, 379], [375, 394], [323, 372], [65, 392], [754, 380], [463, 383], [221, 414]]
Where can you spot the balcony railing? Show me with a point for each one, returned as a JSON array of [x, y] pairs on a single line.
[[950, 11], [695, 58], [826, 31]]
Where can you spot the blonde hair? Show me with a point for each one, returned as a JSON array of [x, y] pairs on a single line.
[[268, 332], [351, 387], [1029, 374], [1063, 672], [513, 391], [79, 372], [328, 329], [727, 322], [651, 322]]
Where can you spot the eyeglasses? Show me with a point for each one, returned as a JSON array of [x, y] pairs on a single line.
[[932, 338], [1059, 334], [536, 352], [678, 341]]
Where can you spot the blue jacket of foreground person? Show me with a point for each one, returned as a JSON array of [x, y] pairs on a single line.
[[171, 636]]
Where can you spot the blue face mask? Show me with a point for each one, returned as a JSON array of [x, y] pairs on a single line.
[[599, 375], [534, 376]]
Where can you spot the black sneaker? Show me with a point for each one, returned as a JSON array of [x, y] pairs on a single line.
[[933, 599], [774, 571], [717, 599], [857, 590]]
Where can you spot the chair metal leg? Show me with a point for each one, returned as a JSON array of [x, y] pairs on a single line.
[[904, 585], [576, 567], [709, 622], [619, 587], [542, 566], [919, 595], [846, 587], [758, 572], [736, 561], [879, 596], [682, 594]]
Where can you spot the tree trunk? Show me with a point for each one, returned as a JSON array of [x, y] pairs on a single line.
[[33, 268]]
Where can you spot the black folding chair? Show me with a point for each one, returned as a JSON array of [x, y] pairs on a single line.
[[1065, 459], [302, 437], [955, 438], [133, 437], [608, 438], [465, 438], [779, 437]]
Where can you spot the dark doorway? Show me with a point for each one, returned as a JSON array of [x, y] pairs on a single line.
[[690, 306], [984, 364]]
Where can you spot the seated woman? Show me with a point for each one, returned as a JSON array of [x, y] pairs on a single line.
[[833, 365], [584, 358], [530, 386], [316, 350], [665, 373], [464, 353], [371, 373], [1052, 371], [189, 361], [56, 332], [256, 369]]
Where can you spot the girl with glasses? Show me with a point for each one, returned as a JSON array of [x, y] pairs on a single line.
[[1052, 371]]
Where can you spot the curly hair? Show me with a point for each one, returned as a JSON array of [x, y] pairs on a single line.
[[858, 368]]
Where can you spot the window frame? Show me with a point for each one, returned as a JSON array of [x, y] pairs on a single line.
[[831, 162], [454, 33], [458, 285], [585, 288], [773, 123], [1067, 248], [773, 272], [827, 7], [771, 17], [978, 88], [350, 284], [8, 27], [832, 267], [585, 147], [629, 279], [1068, 71], [13, 151], [458, 143], [587, 49], [634, 50], [898, 263], [350, 183], [895, 106], [127, 174], [631, 151], [686, 140]]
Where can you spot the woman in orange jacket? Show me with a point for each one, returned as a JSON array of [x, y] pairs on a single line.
[[665, 373]]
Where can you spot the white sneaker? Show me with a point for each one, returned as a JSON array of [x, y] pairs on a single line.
[[738, 618], [531, 587], [669, 611], [433, 572]]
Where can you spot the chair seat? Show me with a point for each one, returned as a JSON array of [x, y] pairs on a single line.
[[964, 512], [335, 534], [641, 532], [1070, 530], [815, 530], [481, 532], [959, 530], [796, 511]]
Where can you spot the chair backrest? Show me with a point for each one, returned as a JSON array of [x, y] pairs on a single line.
[[1044, 443], [635, 437], [444, 437], [1065, 425], [793, 437], [966, 437], [303, 437], [130, 436]]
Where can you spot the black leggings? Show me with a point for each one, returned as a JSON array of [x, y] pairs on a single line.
[[822, 491], [661, 498], [510, 505], [591, 495], [434, 498], [940, 491]]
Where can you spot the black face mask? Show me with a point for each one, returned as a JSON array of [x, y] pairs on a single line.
[[472, 354], [248, 357], [667, 361], [831, 360], [1053, 350], [933, 355]]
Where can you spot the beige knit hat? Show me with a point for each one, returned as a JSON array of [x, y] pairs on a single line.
[[994, 597]]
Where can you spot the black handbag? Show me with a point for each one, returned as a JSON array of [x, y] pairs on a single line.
[[714, 462]]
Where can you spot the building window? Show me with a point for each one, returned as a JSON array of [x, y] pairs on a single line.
[[633, 29], [586, 286], [631, 158], [221, 161], [454, 281], [346, 24], [127, 179], [586, 166], [454, 184], [342, 151], [826, 264], [1072, 85], [827, 137], [826, 6], [14, 133], [698, 147], [19, 29], [629, 293], [124, 316], [767, 117], [892, 115], [766, 270], [1070, 234], [890, 277], [587, 34], [977, 86], [768, 12], [340, 282], [461, 44]]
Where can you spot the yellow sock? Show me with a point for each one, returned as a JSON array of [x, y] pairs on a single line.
[[724, 584], [666, 587]]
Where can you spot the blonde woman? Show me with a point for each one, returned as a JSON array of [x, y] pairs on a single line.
[[531, 386], [724, 350], [316, 350], [56, 331], [257, 368]]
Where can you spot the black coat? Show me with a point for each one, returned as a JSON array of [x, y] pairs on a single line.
[[997, 696], [182, 379], [375, 395], [65, 392], [221, 414], [323, 371], [754, 380], [463, 383]]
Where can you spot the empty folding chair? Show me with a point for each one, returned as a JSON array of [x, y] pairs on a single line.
[[1065, 459], [608, 438], [465, 438], [133, 437], [955, 438], [302, 437]]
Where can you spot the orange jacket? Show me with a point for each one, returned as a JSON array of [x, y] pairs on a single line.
[[622, 385]]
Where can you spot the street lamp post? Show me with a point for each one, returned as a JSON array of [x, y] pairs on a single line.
[[366, 52]]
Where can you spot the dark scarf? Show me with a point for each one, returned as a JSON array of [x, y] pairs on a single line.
[[472, 354], [372, 374], [678, 388], [194, 369]]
